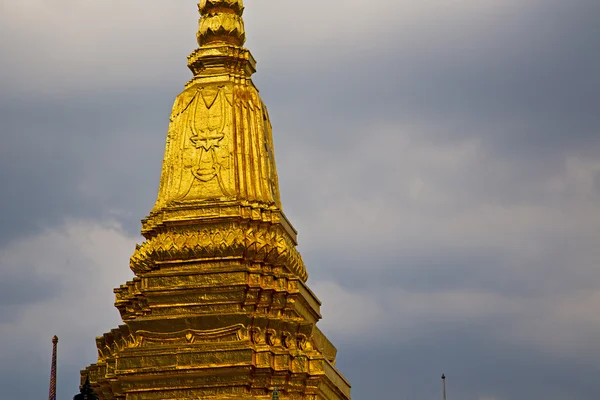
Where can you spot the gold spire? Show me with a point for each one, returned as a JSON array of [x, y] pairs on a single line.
[[219, 159], [219, 307], [219, 145]]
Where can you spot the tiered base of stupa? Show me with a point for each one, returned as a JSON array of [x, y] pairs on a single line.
[[226, 317]]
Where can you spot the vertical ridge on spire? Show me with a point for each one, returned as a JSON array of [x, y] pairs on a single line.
[[52, 394]]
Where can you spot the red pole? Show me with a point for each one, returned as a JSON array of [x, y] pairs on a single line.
[[52, 395]]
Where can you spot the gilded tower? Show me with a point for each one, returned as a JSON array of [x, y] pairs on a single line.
[[218, 307]]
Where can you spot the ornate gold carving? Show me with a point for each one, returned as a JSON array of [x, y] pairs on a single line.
[[256, 335], [221, 21], [198, 157], [210, 160], [287, 340], [264, 244], [219, 146], [236, 6], [303, 342], [272, 339], [228, 334]]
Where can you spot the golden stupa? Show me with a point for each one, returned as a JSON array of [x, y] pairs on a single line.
[[218, 307]]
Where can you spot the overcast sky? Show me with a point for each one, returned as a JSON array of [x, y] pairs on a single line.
[[439, 158]]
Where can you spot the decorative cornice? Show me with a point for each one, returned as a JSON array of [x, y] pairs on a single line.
[[254, 242], [117, 340]]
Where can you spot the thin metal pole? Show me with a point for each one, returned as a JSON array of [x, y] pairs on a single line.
[[443, 387]]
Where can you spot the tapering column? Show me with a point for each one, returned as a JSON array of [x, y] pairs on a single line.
[[52, 395]]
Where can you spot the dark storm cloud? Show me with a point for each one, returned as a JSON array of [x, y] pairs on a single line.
[[51, 282], [525, 83], [66, 157], [412, 370], [21, 288], [528, 89]]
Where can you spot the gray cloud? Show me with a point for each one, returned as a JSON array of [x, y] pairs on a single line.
[[66, 158], [412, 371], [19, 290], [61, 284]]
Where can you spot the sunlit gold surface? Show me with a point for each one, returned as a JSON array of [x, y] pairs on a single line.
[[219, 308]]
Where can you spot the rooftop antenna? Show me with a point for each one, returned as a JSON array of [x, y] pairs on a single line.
[[52, 394], [443, 387]]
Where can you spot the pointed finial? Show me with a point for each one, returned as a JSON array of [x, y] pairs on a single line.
[[221, 36], [221, 22], [52, 393], [275, 394]]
